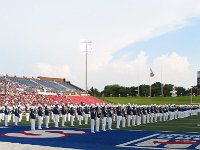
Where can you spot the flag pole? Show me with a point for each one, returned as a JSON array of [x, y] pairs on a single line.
[[149, 86], [150, 75], [161, 81]]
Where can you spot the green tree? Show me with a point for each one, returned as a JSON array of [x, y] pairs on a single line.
[[94, 92]]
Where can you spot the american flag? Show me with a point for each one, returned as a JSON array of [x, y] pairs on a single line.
[[151, 73]]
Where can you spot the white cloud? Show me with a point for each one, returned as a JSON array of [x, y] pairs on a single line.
[[175, 68], [49, 70], [51, 36]]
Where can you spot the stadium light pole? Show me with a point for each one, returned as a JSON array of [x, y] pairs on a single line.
[[86, 46]]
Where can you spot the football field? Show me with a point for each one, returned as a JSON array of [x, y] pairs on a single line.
[[175, 134]]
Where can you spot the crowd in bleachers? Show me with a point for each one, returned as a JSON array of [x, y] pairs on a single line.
[[14, 94]]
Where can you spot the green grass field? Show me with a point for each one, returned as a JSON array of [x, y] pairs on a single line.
[[152, 100], [189, 124]]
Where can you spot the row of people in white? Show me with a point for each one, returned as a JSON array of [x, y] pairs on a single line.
[[124, 116]]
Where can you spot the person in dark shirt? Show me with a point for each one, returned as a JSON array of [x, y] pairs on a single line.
[[40, 117], [97, 118], [119, 117], [46, 113], [92, 117], [6, 112], [80, 115], [63, 112], [56, 115], [104, 117], [16, 112], [110, 116], [72, 116], [32, 118], [86, 114]]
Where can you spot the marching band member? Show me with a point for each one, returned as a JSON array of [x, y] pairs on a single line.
[[144, 115], [134, 112], [16, 113], [86, 114], [104, 117], [63, 112], [6, 112], [27, 112], [40, 117], [119, 117], [124, 118], [72, 116], [56, 115], [97, 118], [46, 113], [13, 114], [32, 118], [128, 116], [110, 115], [80, 115], [92, 116]]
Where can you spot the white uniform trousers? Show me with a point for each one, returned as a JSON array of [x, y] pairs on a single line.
[[109, 123], [69, 115], [32, 121], [6, 120], [16, 120], [114, 117], [52, 116], [133, 120], [0, 117], [104, 123], [92, 125], [72, 120], [152, 117], [47, 121], [155, 117], [20, 117], [56, 116], [79, 120], [144, 119], [3, 116], [40, 122], [63, 120], [123, 122], [161, 116], [148, 117], [119, 118], [27, 116], [13, 117], [9, 117], [86, 118], [138, 120], [129, 120], [97, 124]]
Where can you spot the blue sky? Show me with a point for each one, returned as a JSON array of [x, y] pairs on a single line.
[[42, 38], [184, 41]]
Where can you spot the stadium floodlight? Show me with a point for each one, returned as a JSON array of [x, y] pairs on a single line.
[[86, 47]]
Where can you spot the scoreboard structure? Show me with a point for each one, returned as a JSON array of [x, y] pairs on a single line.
[[198, 83]]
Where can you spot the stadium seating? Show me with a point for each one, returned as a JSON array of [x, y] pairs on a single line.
[[24, 89]]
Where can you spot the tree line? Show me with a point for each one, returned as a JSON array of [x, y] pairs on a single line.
[[116, 90]]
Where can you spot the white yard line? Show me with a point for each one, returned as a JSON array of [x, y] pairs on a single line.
[[18, 146]]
